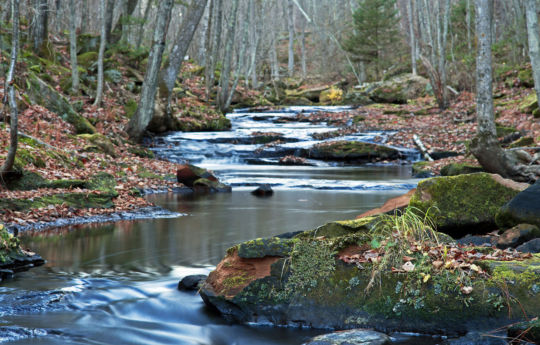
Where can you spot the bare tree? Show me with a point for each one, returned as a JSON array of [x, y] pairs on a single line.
[[290, 26], [412, 35], [140, 32], [485, 146], [534, 42], [103, 43], [145, 111], [213, 43], [184, 36], [10, 159], [73, 47], [227, 58], [39, 26]]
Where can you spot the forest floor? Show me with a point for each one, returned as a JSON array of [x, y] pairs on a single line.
[[58, 165]]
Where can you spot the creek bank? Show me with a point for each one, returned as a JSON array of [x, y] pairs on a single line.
[[13, 258], [386, 272]]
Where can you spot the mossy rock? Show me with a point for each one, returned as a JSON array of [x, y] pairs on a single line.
[[352, 151], [529, 104], [455, 169], [419, 169], [39, 92], [503, 131], [32, 180], [522, 142], [343, 227], [75, 200], [100, 141], [87, 59], [103, 182], [525, 77], [463, 204], [206, 185], [261, 247], [400, 89], [356, 98]]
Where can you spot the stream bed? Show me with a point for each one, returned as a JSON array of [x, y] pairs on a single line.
[[115, 283]]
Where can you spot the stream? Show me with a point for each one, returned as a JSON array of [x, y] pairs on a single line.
[[115, 283]]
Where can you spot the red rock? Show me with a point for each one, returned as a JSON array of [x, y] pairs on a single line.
[[396, 203]]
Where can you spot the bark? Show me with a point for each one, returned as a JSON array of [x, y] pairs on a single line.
[[103, 43], [7, 166], [145, 111], [227, 59], [6, 11], [84, 12], [485, 146], [125, 18], [140, 32], [39, 26], [73, 48], [412, 36], [184, 37], [534, 42], [290, 26], [109, 16], [209, 48]]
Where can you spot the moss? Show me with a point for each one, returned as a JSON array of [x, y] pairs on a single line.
[[522, 142], [141, 152], [9, 245], [504, 131], [342, 228], [352, 150], [130, 108], [103, 182], [529, 104], [461, 201], [103, 143], [260, 248], [43, 94], [526, 78], [454, 169], [75, 200]]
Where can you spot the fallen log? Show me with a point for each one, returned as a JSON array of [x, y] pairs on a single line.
[[422, 148]]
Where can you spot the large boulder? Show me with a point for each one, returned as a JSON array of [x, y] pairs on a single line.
[[524, 208], [518, 235], [187, 174], [399, 89], [39, 92], [464, 204], [350, 275], [352, 151]]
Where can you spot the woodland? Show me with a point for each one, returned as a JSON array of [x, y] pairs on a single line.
[[89, 89]]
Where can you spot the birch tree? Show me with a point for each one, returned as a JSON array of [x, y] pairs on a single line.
[[290, 26], [534, 42], [39, 26], [7, 166], [145, 110], [73, 47], [103, 43], [485, 146], [227, 58]]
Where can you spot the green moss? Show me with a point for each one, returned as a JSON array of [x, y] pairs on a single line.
[[260, 247], [522, 142], [342, 228], [526, 78], [75, 200], [504, 131], [130, 108], [141, 152], [9, 245], [463, 200], [103, 182], [454, 169], [103, 143], [529, 104], [352, 150]]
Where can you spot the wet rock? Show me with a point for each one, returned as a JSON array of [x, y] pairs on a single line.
[[292, 160], [352, 151], [263, 190], [524, 208], [518, 235], [191, 283], [187, 174], [464, 204], [479, 241], [526, 331], [436, 155], [475, 338], [204, 185], [392, 205], [455, 169], [400, 89], [352, 337], [261, 247], [533, 246]]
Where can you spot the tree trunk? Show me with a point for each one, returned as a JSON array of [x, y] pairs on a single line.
[[7, 167], [145, 111], [209, 47], [412, 36], [227, 58], [103, 43], [290, 25], [125, 18], [140, 33], [184, 36], [485, 146], [39, 26], [534, 42], [73, 48], [85, 10], [109, 16]]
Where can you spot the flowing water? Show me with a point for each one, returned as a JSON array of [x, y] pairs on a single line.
[[116, 283]]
